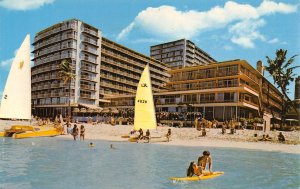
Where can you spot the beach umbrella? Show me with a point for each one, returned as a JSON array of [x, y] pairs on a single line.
[[114, 111]]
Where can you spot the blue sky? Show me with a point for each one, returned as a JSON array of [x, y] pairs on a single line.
[[227, 30]]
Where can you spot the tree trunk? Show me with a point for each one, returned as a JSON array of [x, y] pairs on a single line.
[[69, 105]]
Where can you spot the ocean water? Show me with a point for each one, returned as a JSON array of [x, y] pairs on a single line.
[[57, 163]]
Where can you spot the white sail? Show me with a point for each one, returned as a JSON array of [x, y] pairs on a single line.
[[16, 97]]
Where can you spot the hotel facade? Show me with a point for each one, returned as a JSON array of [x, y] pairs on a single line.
[[186, 84], [180, 53], [102, 68], [222, 91]]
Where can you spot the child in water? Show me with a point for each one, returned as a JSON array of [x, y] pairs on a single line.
[[91, 144]]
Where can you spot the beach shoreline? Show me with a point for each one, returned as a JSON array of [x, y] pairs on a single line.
[[190, 137]]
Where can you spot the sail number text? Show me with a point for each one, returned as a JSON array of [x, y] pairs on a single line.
[[142, 101]]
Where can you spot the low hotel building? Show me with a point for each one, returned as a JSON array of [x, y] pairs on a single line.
[[222, 91]]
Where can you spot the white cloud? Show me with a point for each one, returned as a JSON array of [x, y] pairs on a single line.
[[244, 33], [125, 31], [23, 4], [272, 41], [228, 47], [166, 22], [7, 63]]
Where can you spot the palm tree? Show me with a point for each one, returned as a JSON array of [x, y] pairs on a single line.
[[66, 75], [282, 73]]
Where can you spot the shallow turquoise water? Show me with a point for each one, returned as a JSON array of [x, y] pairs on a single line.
[[44, 163]]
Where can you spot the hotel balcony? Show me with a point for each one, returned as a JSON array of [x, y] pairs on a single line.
[[89, 31], [89, 59], [53, 40], [90, 50], [54, 58], [88, 96], [127, 60], [88, 68], [53, 49], [54, 31], [87, 87], [89, 78], [89, 41]]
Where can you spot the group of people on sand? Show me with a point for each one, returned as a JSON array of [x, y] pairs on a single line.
[[75, 131], [199, 168], [147, 137]]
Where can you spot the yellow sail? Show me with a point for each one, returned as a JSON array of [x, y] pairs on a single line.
[[144, 111]]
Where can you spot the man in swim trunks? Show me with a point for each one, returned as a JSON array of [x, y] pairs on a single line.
[[203, 160]]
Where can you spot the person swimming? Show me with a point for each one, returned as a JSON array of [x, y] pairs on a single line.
[[91, 144], [112, 146]]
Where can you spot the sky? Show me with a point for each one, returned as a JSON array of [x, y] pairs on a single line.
[[227, 30]]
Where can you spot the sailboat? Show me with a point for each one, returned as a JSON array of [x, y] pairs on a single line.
[[144, 110], [16, 98]]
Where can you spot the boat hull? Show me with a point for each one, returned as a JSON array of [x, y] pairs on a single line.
[[22, 131]]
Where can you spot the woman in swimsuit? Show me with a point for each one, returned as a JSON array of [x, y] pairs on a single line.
[[82, 132]]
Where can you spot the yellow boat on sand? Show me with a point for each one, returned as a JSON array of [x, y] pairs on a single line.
[[24, 131]]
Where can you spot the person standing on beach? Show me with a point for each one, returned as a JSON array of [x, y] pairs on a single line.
[[203, 160], [75, 132], [82, 132]]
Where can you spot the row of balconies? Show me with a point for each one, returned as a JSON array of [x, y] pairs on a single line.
[[90, 78], [54, 40], [89, 68], [90, 50], [51, 94], [271, 102], [271, 92], [104, 43], [127, 74], [119, 80], [35, 71], [53, 85], [44, 78], [89, 96], [103, 84], [92, 32], [55, 30], [87, 87], [199, 87], [88, 40], [249, 74], [89, 59], [122, 58], [54, 49], [54, 58], [201, 74]]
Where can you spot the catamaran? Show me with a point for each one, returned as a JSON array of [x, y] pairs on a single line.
[[144, 110], [16, 98]]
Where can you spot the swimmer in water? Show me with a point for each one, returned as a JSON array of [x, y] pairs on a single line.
[[112, 146], [91, 144]]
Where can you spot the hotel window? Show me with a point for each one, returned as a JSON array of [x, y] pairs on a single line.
[[228, 97]]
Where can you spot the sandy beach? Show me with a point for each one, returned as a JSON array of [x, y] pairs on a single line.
[[191, 137]]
